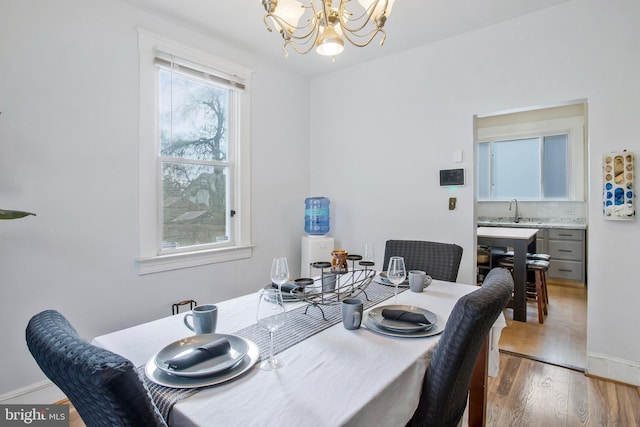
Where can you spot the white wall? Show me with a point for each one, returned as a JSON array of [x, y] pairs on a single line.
[[69, 152], [390, 125]]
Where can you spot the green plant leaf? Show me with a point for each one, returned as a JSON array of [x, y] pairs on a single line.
[[8, 214]]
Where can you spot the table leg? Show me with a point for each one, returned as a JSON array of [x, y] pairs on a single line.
[[520, 281]]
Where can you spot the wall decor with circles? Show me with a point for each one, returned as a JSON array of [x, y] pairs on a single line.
[[618, 195]]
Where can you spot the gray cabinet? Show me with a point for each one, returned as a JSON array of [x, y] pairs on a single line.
[[567, 250]]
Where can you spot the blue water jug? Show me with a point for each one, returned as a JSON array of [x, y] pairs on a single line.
[[316, 216]]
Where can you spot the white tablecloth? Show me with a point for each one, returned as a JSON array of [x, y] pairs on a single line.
[[334, 378]]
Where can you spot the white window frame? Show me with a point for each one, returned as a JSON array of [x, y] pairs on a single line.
[[151, 258], [572, 126]]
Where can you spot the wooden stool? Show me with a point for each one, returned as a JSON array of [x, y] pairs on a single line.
[[536, 257], [536, 291], [547, 258]]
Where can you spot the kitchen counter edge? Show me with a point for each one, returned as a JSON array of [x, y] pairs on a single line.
[[566, 226]]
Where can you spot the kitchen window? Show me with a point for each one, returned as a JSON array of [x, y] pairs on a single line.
[[194, 157], [540, 161]]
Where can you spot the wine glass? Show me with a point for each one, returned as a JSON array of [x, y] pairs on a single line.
[[271, 316], [279, 271], [368, 254], [396, 273]]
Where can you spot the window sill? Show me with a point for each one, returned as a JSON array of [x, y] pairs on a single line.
[[169, 262]]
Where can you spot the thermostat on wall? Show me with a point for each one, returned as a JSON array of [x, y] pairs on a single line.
[[452, 177]]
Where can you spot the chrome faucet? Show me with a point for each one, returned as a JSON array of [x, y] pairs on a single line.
[[516, 218]]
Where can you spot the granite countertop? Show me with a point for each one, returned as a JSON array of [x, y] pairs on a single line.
[[566, 223]]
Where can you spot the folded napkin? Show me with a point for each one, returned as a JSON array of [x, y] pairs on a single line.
[[405, 316], [200, 354]]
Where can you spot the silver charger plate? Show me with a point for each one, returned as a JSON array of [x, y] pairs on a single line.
[[288, 296], [435, 330], [297, 294], [239, 349], [162, 378], [381, 278], [398, 326]]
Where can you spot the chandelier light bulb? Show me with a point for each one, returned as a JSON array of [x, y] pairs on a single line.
[[329, 43]]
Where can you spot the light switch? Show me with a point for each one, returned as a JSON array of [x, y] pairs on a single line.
[[452, 203], [457, 156]]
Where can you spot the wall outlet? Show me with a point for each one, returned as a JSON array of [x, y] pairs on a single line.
[[452, 203]]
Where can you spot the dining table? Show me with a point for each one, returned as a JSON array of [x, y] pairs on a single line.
[[334, 377], [522, 240]]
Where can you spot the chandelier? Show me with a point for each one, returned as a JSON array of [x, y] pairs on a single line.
[[308, 23]]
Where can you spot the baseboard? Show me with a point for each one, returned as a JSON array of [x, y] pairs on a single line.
[[613, 369], [542, 360], [41, 393]]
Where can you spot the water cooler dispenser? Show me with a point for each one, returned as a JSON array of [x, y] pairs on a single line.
[[316, 246]]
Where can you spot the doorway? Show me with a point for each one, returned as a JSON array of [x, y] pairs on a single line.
[[561, 339]]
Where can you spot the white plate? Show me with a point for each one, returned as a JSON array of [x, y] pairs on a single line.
[[239, 349], [398, 326], [381, 278], [159, 377], [435, 330]]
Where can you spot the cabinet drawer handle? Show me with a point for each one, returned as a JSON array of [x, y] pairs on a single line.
[[565, 235], [565, 269], [564, 250]]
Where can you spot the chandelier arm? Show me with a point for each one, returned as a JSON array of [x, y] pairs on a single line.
[[326, 11], [311, 24], [364, 18], [294, 46], [370, 36], [297, 43]]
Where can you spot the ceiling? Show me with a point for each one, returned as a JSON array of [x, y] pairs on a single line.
[[412, 23]]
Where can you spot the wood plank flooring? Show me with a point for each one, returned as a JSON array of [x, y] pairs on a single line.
[[532, 393], [562, 338]]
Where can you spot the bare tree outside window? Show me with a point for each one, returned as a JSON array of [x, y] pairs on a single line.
[[194, 159]]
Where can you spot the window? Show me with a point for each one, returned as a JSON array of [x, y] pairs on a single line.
[[527, 169], [538, 160], [194, 157]]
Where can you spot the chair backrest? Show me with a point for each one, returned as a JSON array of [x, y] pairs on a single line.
[[104, 387], [446, 382], [441, 261]]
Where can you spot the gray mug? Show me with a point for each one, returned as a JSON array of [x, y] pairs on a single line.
[[418, 280], [352, 312], [205, 318]]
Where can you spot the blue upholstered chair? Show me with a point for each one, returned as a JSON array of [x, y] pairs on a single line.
[[104, 387], [441, 261], [446, 382]]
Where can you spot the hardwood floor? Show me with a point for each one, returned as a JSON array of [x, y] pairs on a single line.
[[562, 338], [547, 386], [532, 393]]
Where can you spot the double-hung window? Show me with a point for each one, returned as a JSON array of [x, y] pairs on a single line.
[[194, 148]]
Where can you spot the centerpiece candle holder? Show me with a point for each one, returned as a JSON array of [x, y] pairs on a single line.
[[335, 284]]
